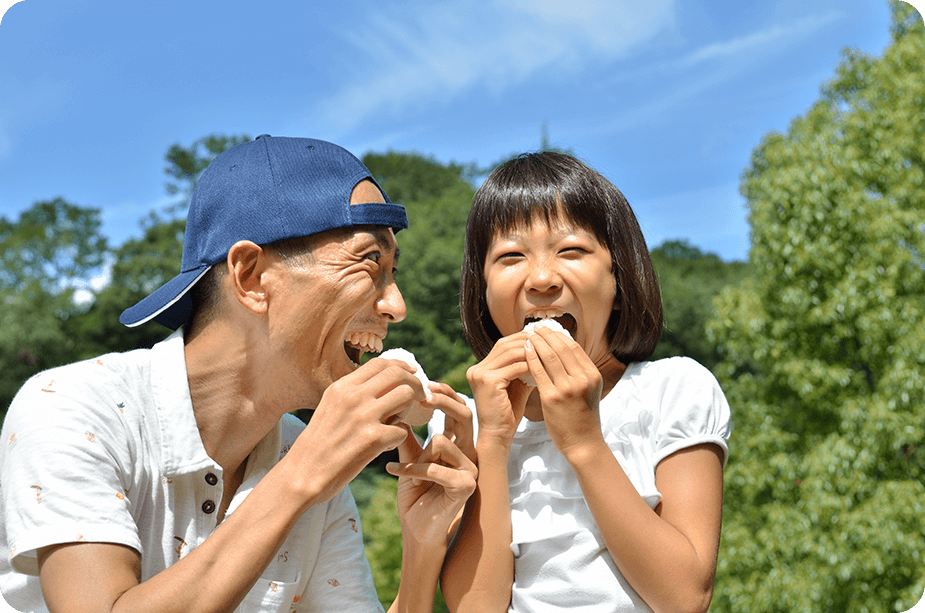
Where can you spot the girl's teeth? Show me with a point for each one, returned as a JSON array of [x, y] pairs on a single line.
[[547, 314]]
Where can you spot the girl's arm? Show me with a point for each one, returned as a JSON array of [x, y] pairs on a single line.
[[668, 555], [433, 485], [479, 570]]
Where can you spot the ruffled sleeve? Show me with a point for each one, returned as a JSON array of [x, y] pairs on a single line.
[[692, 408]]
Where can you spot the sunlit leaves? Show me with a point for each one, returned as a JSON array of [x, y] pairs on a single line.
[[824, 351]]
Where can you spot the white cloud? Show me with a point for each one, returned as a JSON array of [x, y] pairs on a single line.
[[433, 52], [759, 42]]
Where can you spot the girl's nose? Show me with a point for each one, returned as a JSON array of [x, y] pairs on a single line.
[[543, 277]]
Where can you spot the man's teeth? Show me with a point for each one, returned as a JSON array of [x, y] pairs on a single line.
[[365, 341]]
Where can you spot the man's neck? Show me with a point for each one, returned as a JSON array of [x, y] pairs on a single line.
[[226, 402]]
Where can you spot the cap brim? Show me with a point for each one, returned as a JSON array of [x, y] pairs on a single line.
[[168, 305]]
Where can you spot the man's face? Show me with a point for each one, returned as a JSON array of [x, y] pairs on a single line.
[[338, 304]]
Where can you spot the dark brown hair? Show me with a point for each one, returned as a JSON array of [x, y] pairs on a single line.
[[550, 185]]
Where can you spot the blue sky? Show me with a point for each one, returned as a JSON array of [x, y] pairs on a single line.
[[667, 98]]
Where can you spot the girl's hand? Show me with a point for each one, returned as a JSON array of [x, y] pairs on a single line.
[[457, 417], [499, 395], [569, 385]]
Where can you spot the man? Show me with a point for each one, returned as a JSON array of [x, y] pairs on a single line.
[[174, 479]]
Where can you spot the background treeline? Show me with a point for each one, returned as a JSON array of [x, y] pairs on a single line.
[[818, 340]]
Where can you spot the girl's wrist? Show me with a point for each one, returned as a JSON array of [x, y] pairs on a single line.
[[492, 441], [585, 454]]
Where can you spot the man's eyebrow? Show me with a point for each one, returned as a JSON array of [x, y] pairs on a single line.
[[385, 244]]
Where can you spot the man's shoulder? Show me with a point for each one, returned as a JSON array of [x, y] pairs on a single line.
[[107, 379]]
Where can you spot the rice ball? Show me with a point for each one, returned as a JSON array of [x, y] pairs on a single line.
[[552, 324], [417, 415]]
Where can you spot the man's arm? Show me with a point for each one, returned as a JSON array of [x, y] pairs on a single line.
[[347, 431], [105, 578]]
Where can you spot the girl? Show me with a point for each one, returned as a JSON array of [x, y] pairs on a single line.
[[599, 489]]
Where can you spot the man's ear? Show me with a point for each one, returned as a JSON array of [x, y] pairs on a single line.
[[247, 265]]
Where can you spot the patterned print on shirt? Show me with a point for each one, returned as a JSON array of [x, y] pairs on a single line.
[[180, 547]]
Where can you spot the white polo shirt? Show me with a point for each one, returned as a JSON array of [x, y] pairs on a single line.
[[107, 450]]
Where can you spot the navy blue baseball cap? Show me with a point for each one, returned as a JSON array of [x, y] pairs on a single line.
[[267, 190]]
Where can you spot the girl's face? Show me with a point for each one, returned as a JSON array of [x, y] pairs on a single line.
[[556, 270]]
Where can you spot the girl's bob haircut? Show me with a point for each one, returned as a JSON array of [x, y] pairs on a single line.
[[543, 187]]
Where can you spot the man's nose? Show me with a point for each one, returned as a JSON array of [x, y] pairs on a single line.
[[391, 303]]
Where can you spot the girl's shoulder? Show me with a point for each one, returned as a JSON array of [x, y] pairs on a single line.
[[666, 374]]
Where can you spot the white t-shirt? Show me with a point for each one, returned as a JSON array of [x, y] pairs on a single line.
[[560, 559], [107, 450]]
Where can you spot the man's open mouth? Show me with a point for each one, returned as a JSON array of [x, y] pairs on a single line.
[[359, 343]]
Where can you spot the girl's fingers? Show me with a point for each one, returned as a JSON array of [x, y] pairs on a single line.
[[410, 449], [441, 462], [559, 354]]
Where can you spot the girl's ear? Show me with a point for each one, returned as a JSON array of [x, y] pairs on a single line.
[[247, 265]]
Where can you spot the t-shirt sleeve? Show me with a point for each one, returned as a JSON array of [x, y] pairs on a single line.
[[65, 469], [342, 579], [693, 409]]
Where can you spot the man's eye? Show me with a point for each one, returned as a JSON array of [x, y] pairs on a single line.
[[374, 256]]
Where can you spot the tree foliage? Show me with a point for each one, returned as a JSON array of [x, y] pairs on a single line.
[[690, 280], [823, 354], [52, 248], [185, 164], [382, 535], [52, 244]]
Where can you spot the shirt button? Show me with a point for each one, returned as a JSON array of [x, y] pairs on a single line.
[[211, 479], [208, 506]]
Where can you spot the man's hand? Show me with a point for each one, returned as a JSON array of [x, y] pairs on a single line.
[[355, 422]]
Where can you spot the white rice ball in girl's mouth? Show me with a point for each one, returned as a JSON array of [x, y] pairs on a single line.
[[552, 324], [417, 415]]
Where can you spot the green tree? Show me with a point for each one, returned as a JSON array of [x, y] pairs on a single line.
[[53, 244], [823, 355], [185, 164], [690, 280], [139, 266], [44, 256]]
